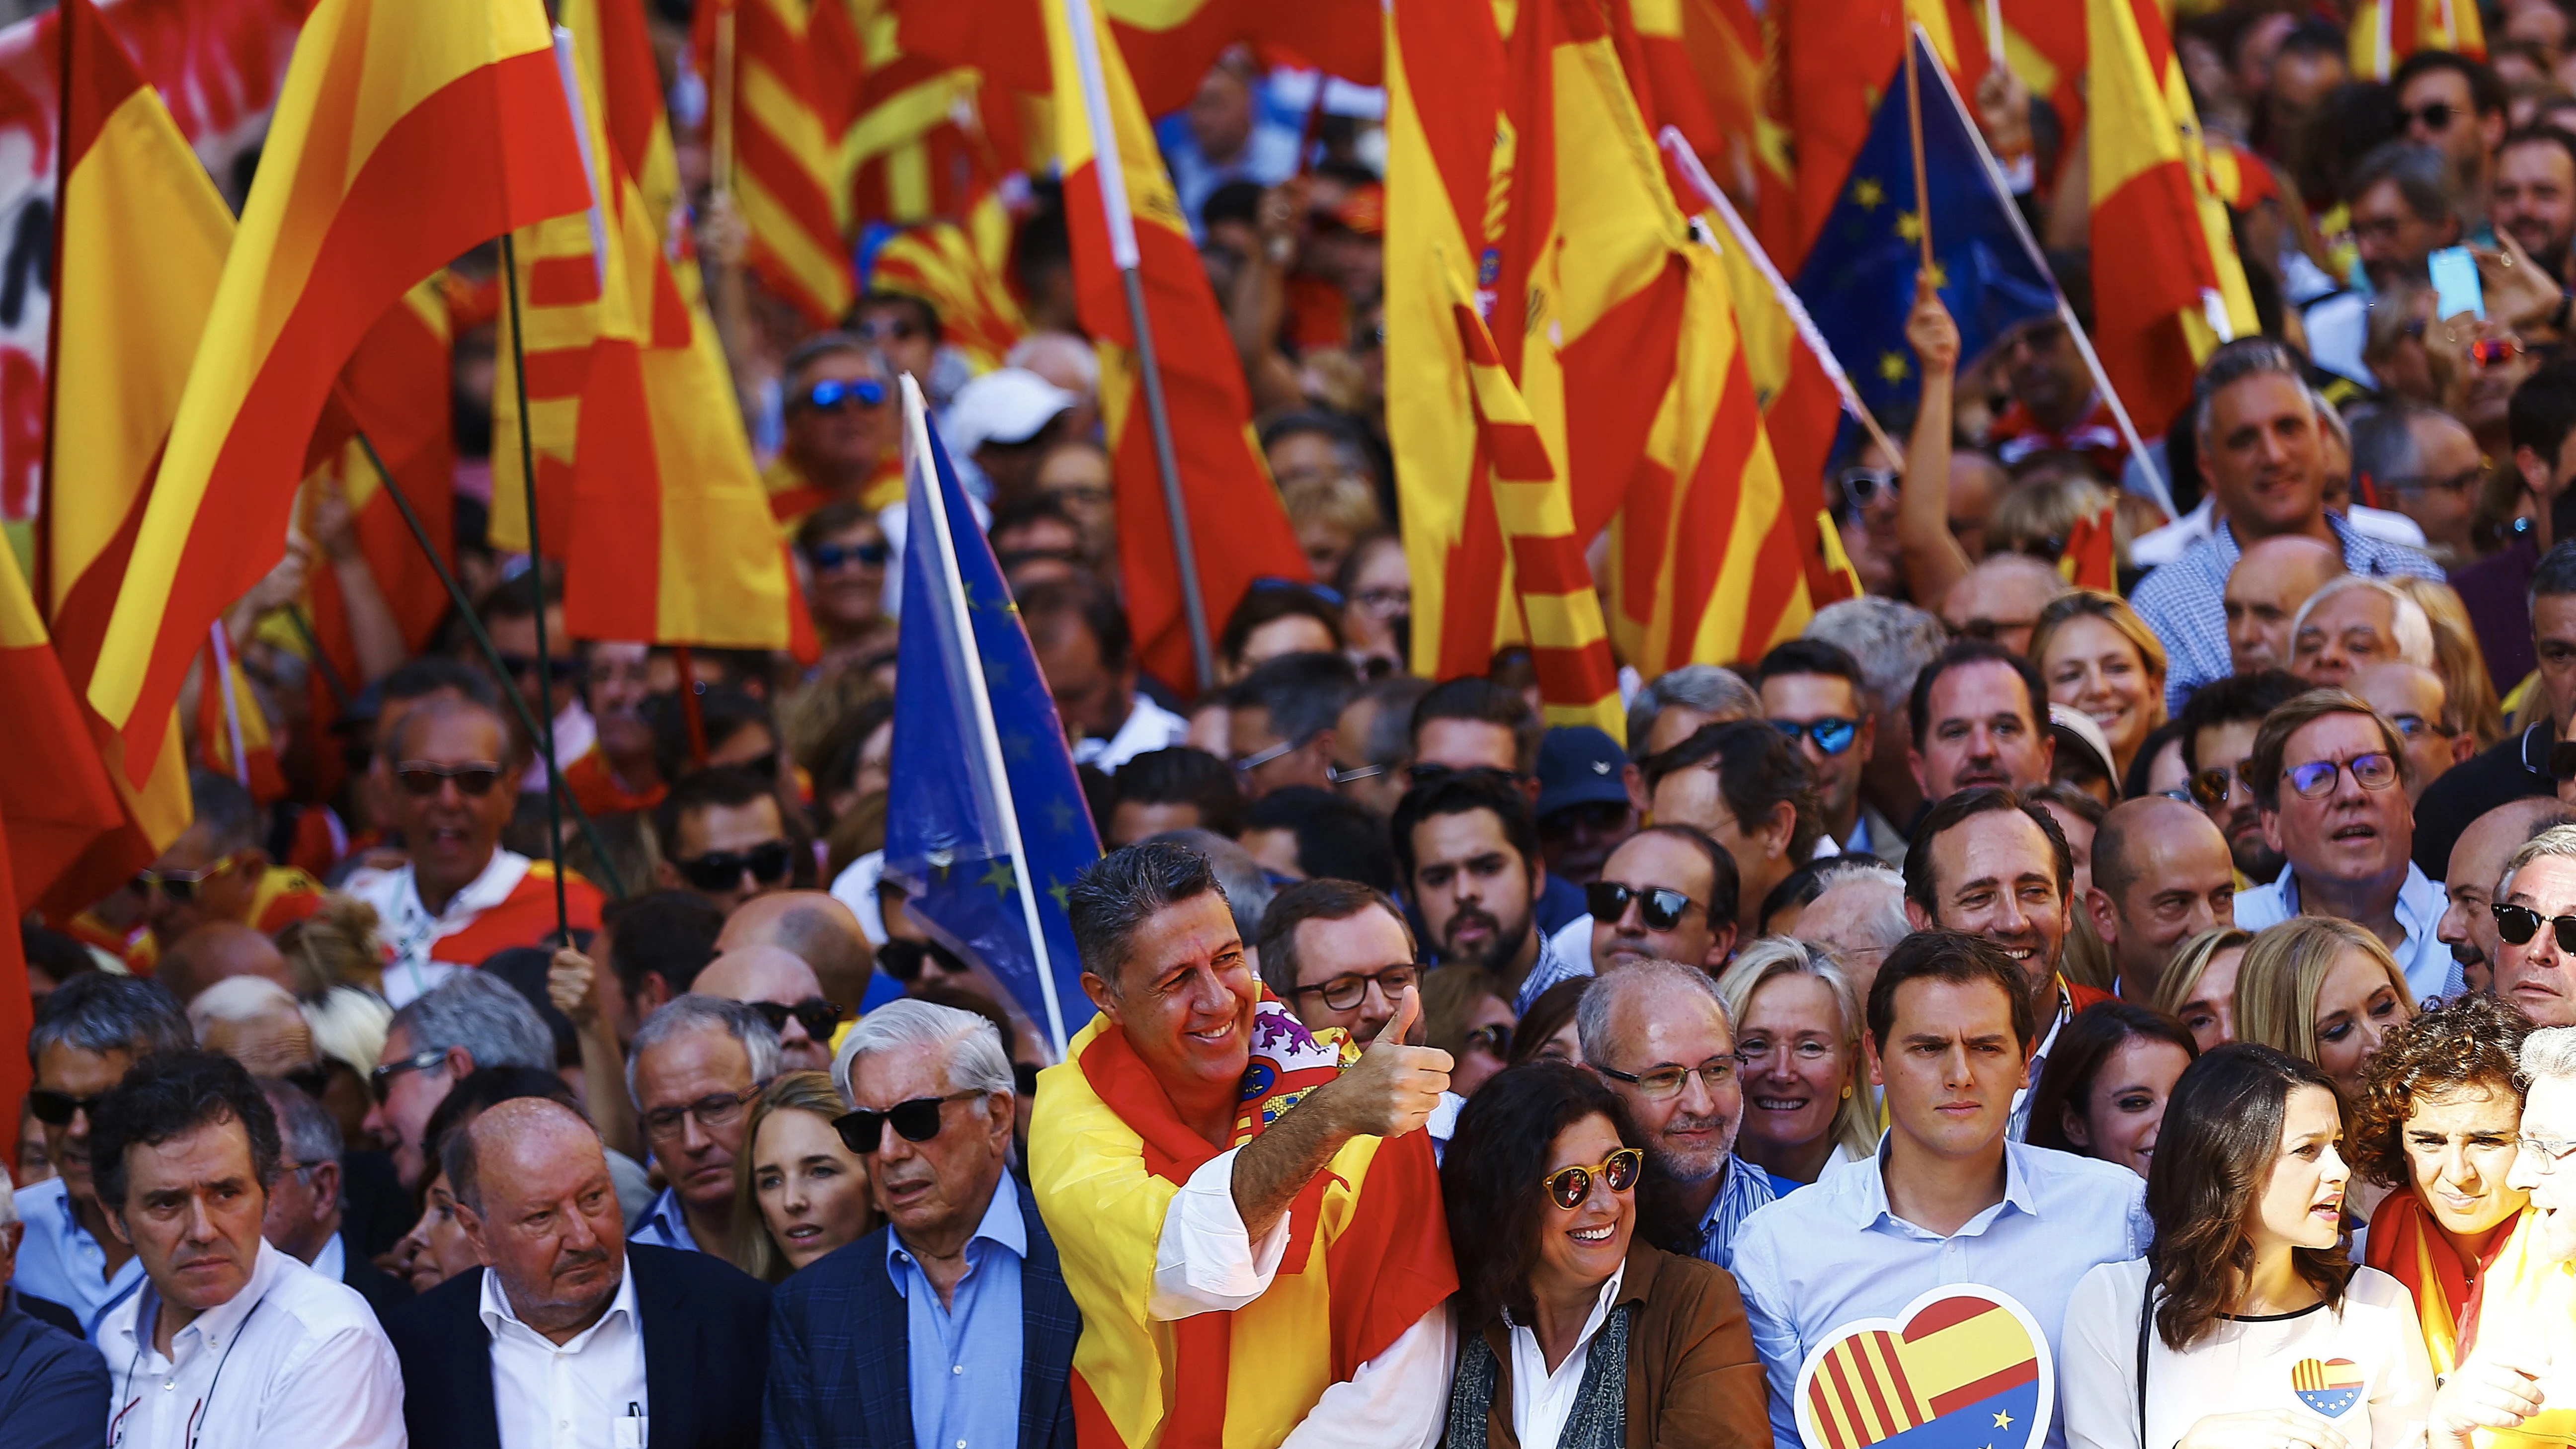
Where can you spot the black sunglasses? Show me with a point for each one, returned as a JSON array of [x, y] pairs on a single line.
[[863, 1131], [56, 1109], [1496, 1038], [904, 960], [826, 557], [559, 669], [820, 1018], [722, 870], [2211, 787], [423, 779], [2518, 924], [2436, 117], [1660, 907]]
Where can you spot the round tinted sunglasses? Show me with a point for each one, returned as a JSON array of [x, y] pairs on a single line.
[[1569, 1186], [722, 870], [1660, 907], [918, 1120], [1832, 734], [2518, 924]]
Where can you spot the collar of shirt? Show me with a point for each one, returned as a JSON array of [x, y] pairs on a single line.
[[1002, 1226], [665, 1224], [500, 1319], [1874, 1214], [133, 1334], [2420, 901], [1148, 726], [333, 1261], [1547, 969], [1600, 1314]]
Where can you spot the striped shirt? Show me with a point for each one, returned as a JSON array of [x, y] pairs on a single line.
[[1746, 1187]]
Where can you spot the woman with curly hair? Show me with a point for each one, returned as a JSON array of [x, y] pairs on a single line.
[[2245, 1326], [2440, 1108]]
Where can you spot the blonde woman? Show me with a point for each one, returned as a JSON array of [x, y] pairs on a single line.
[[2098, 656], [1797, 1031], [2199, 985], [798, 1191], [2325, 991]]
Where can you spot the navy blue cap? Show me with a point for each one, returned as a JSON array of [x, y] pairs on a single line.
[[1580, 765]]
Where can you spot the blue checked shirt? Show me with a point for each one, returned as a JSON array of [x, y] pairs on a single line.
[[1746, 1187], [1551, 967], [2185, 601]]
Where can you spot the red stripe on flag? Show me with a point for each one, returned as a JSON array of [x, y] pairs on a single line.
[[615, 543], [1902, 1416], [1568, 676], [1549, 564], [562, 281], [2013, 1377], [1838, 1363]]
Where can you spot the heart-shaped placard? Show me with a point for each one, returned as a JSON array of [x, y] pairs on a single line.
[[1963, 1367], [2327, 1385]]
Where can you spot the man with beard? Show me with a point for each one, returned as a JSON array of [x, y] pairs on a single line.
[[1657, 1034], [2455, 107], [2468, 925], [1977, 712], [1466, 848], [2329, 775], [2218, 729], [2535, 195]]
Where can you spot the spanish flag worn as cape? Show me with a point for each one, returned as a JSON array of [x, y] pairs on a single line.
[[2525, 1304], [2405, 1244], [1367, 1255]]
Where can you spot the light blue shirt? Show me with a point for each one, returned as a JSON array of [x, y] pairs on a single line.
[[966, 1356], [664, 1225], [59, 1260], [2427, 962], [1836, 1253]]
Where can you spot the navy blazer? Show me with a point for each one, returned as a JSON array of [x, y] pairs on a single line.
[[705, 1354], [840, 1351]]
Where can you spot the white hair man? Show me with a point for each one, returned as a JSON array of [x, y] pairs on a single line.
[[1859, 916], [254, 1021], [2352, 622]]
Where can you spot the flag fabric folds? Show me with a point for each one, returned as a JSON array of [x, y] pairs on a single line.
[[1833, 54], [946, 265], [406, 134], [968, 696], [2383, 33], [56, 799], [1241, 527], [784, 150]]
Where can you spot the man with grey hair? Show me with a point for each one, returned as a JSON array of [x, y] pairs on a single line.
[[1656, 1032], [1674, 704], [697, 1063], [437, 1040], [2352, 622], [256, 1022], [964, 1273], [1859, 916], [2534, 969], [2263, 453], [2425, 463], [1891, 642], [53, 1387], [89, 1030], [837, 406], [304, 1203]]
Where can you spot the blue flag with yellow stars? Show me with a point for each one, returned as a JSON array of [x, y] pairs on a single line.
[[950, 815], [1858, 281]]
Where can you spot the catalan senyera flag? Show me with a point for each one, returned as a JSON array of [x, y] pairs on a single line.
[[2157, 225], [946, 265], [1168, 45], [784, 154], [2383, 33], [1239, 526], [404, 136], [918, 143], [645, 482]]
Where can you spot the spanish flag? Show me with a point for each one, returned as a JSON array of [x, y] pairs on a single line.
[[783, 162], [55, 795], [2384, 32], [1168, 45], [396, 390], [405, 134], [2157, 226], [1239, 526], [1833, 56], [1708, 66]]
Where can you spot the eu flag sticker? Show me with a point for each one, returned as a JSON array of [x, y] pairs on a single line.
[[2330, 1386]]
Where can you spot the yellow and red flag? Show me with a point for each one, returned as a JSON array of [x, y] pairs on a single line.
[[395, 389], [942, 264], [2384, 32], [1836, 59], [405, 136], [55, 795], [925, 137], [784, 151], [229, 715], [1240, 529], [2090, 559], [1167, 45], [2157, 226], [1709, 66]]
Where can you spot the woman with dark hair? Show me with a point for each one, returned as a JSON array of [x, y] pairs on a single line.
[[2245, 1326], [1574, 1333], [1546, 1030], [2440, 1109], [2104, 1090]]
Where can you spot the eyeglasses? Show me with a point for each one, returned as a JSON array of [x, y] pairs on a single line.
[[1861, 486], [1660, 908], [2436, 117], [1569, 1186], [1496, 1039], [2315, 780], [179, 887], [713, 1111], [722, 870], [904, 960], [2550, 1150], [2456, 484], [381, 1080], [826, 557], [1244, 767], [820, 1018], [890, 329], [2518, 924], [1989, 629], [1348, 774], [1832, 734], [1349, 989], [1668, 1081], [420, 778], [56, 1109], [2415, 727], [832, 394], [2211, 787], [918, 1120], [1384, 603]]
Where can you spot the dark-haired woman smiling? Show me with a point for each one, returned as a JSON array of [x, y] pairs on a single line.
[[2245, 1326], [1573, 1332]]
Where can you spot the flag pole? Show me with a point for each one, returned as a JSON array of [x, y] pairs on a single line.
[[916, 418], [536, 562], [720, 117], [1914, 129], [232, 704], [1109, 168]]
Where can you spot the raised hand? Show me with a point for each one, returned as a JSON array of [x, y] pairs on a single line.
[[2491, 1391], [572, 984], [1393, 1087]]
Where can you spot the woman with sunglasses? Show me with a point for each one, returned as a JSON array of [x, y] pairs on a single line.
[[2098, 656], [798, 1190], [1467, 1013], [2246, 1326], [1575, 1333], [1797, 1032], [2325, 991]]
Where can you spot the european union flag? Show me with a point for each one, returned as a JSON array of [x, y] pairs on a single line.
[[1858, 281], [985, 820]]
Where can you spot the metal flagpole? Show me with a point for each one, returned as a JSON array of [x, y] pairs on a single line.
[[232, 704], [537, 562], [917, 443], [1110, 170]]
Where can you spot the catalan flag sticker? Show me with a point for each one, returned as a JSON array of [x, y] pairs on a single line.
[[1963, 1367], [2327, 1385]]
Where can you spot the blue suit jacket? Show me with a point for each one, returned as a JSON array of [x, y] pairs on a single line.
[[840, 1352], [705, 1354]]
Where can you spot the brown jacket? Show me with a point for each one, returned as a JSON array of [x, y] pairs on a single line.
[[1694, 1381]]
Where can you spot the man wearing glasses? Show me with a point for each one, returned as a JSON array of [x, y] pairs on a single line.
[[839, 430], [2534, 965], [2218, 729], [2457, 107], [697, 1063], [724, 837], [2329, 776], [1657, 1033], [1668, 893], [1815, 695], [777, 983], [1339, 955], [438, 1040]]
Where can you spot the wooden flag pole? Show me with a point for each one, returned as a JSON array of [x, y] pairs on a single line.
[[1914, 127], [536, 561], [720, 113]]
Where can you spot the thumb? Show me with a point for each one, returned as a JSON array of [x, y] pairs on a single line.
[[1408, 1010]]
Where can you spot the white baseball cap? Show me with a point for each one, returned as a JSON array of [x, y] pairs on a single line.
[[1006, 405]]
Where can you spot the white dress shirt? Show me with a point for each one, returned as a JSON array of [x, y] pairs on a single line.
[[294, 1359], [1148, 726], [584, 1393], [1206, 1262], [1543, 1401], [408, 930]]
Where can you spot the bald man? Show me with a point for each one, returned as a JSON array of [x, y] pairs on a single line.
[[816, 926], [2161, 875], [2270, 581], [2000, 599], [215, 951], [1859, 916], [254, 1021], [2412, 698], [2477, 859], [778, 984]]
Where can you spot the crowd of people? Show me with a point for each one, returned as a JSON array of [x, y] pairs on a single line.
[[2188, 965]]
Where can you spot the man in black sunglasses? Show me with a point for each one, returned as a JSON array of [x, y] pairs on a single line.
[[724, 836], [1668, 893], [779, 985], [840, 422], [2536, 901], [2456, 106], [217, 870]]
